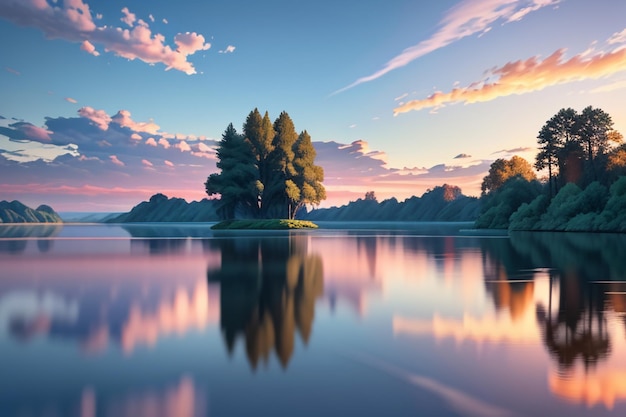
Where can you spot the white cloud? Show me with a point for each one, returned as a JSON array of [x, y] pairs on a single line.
[[229, 49], [618, 37], [73, 22], [469, 17]]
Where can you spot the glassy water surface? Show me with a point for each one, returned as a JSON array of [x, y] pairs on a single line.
[[376, 320]]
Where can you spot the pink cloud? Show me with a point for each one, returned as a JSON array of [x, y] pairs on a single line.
[[116, 161], [147, 163], [151, 142], [168, 163], [532, 74], [128, 18], [135, 136], [123, 119], [72, 21], [163, 142], [183, 146], [89, 48], [70, 100], [98, 117], [190, 43], [36, 133], [467, 18]]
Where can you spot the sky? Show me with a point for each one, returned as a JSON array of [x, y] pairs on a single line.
[[105, 103]]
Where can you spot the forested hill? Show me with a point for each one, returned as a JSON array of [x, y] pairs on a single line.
[[162, 209], [16, 212], [444, 203]]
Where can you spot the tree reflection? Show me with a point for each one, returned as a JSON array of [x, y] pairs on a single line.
[[574, 326], [579, 329], [268, 288]]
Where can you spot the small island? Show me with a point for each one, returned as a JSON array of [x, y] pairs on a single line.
[[269, 224]]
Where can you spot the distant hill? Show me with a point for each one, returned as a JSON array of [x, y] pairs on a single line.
[[443, 203], [87, 217], [16, 212], [162, 209]]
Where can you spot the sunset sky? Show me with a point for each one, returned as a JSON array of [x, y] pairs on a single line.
[[105, 103]]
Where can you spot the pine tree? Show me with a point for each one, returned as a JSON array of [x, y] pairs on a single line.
[[237, 183], [269, 171]]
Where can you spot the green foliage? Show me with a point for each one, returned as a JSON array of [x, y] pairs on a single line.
[[443, 203], [237, 182], [16, 212], [574, 146], [500, 204], [562, 208], [593, 209], [528, 215], [162, 209], [268, 172], [613, 217], [270, 224], [502, 169]]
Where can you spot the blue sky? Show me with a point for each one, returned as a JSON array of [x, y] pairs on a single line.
[[108, 102]]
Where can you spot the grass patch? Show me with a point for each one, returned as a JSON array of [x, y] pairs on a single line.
[[269, 224]]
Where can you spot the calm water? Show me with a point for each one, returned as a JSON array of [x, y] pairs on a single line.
[[405, 321]]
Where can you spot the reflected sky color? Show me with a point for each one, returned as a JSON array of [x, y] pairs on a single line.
[[109, 321]]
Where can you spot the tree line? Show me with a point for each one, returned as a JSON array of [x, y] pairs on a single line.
[[267, 171], [585, 187]]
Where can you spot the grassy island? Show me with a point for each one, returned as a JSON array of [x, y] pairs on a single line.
[[266, 224]]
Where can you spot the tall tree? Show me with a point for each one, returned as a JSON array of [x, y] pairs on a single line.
[[503, 169], [308, 176], [237, 183], [593, 127], [280, 187], [576, 146], [269, 171], [554, 134]]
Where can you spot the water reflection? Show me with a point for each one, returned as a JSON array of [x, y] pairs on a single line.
[[181, 399], [127, 317], [128, 326], [566, 291], [268, 288]]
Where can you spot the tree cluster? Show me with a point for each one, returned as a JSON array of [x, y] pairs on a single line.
[[585, 189], [502, 170], [268, 171], [443, 203], [576, 147]]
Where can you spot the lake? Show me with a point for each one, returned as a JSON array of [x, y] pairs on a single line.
[[390, 319]]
